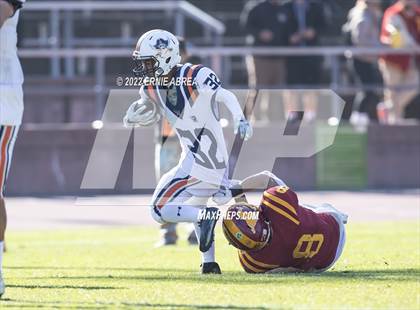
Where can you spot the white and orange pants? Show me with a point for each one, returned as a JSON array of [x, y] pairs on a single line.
[[8, 136], [179, 197]]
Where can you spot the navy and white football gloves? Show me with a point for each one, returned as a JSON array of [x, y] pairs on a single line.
[[243, 127], [141, 113]]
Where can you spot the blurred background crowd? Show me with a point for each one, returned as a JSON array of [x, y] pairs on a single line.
[[370, 23], [376, 86]]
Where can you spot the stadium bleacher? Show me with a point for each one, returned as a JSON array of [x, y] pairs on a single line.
[[100, 29]]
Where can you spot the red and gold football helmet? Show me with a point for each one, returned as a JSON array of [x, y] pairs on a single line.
[[245, 232]]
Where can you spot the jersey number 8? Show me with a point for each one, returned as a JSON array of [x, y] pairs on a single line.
[[307, 251]]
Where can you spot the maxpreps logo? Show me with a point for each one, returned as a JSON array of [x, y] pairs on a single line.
[[229, 215], [242, 215]]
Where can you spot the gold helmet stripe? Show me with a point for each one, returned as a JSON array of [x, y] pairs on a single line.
[[241, 237]]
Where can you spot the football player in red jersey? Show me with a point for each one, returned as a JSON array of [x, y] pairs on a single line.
[[287, 236]]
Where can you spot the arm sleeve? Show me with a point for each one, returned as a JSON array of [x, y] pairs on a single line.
[[145, 96], [146, 99], [362, 35], [358, 36], [142, 92], [230, 101], [207, 81], [262, 180]]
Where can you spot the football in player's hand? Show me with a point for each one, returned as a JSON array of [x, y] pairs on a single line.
[[146, 106]]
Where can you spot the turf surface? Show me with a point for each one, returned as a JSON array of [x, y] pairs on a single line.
[[119, 268]]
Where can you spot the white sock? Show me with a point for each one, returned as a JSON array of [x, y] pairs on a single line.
[[209, 256], [1, 256], [179, 213]]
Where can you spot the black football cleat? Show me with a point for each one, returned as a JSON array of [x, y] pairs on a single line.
[[210, 268], [207, 225]]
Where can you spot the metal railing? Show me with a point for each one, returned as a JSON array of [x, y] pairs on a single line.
[[215, 55], [181, 9]]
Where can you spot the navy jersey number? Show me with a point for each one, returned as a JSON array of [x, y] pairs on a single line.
[[212, 81], [210, 161]]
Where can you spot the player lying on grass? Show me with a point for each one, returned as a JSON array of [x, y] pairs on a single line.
[[192, 109], [287, 236]]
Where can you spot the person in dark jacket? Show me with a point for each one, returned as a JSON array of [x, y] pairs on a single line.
[[265, 22], [305, 21]]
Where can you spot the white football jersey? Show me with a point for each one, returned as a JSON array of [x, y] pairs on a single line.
[[11, 75], [193, 113]]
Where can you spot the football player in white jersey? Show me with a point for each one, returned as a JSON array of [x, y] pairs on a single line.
[[11, 102], [189, 98]]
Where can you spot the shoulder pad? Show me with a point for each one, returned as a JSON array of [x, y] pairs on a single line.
[[206, 79]]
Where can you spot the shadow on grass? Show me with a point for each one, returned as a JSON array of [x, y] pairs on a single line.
[[96, 268], [112, 305], [77, 287], [238, 277]]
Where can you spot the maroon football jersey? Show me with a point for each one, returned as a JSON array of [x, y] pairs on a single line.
[[301, 238]]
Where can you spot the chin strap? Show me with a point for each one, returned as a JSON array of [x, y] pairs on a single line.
[[16, 4]]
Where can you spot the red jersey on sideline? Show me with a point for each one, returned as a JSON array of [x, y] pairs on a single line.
[[413, 27]]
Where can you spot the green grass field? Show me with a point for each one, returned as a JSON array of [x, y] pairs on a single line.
[[119, 268]]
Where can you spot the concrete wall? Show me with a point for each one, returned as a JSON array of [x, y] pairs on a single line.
[[393, 157], [50, 161]]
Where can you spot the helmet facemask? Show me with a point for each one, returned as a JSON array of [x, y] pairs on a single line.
[[156, 54], [147, 66]]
